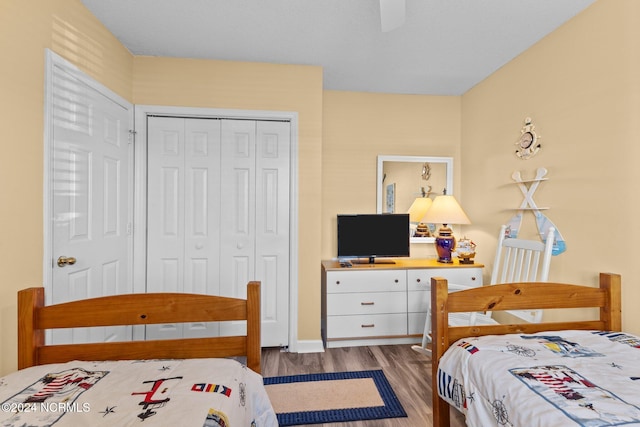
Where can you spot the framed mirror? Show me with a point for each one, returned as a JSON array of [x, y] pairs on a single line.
[[402, 179]]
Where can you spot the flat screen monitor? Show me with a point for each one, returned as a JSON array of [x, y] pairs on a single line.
[[373, 236]]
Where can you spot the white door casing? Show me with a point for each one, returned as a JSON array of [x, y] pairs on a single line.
[[141, 114], [88, 161]]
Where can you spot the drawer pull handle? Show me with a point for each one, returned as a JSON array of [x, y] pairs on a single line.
[[396, 280], [418, 280], [473, 278], [337, 282], [370, 325], [368, 303]]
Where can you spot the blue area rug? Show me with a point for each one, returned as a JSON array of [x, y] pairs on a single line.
[[392, 407]]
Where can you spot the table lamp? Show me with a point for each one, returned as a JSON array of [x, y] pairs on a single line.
[[416, 212], [445, 210]]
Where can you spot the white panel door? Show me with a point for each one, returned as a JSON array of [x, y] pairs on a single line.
[[90, 170], [183, 213], [255, 215]]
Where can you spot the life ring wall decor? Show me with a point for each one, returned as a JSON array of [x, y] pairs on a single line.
[[543, 223], [528, 145]]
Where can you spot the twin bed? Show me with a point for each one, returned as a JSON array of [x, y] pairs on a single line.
[[547, 374], [186, 382]]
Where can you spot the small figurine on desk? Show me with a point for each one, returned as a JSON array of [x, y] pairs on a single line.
[[465, 251]]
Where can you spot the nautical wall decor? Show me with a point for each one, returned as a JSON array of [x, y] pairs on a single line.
[[528, 145], [543, 223]]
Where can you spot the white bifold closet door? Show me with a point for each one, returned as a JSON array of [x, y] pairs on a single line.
[[218, 216]]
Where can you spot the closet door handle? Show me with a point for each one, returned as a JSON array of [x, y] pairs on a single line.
[[368, 303], [370, 325]]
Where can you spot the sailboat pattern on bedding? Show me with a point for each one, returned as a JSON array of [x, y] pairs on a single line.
[[193, 392], [559, 378]]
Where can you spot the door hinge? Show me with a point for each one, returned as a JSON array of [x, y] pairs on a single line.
[[129, 228], [132, 135]]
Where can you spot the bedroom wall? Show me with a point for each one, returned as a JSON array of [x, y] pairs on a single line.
[[27, 27], [255, 86], [357, 127], [580, 86]]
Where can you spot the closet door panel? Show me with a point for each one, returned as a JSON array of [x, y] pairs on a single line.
[[272, 227], [183, 222], [238, 210], [202, 206], [165, 240]]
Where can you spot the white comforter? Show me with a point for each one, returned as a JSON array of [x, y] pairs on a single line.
[[560, 378], [194, 392]]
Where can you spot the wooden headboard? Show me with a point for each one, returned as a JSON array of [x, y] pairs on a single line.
[[516, 296], [137, 309]]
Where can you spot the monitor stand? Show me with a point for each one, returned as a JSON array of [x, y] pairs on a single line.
[[373, 260]]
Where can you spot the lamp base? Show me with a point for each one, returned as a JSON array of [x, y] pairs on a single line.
[[445, 244]]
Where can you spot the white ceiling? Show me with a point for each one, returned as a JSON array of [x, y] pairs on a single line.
[[445, 47]]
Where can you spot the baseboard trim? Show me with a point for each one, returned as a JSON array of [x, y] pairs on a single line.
[[310, 346]]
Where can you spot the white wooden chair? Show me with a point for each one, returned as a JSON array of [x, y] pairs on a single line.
[[519, 260], [516, 260]]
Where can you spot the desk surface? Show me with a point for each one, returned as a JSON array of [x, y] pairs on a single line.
[[404, 263]]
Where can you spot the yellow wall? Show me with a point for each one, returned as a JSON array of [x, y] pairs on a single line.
[[27, 27], [360, 126], [580, 87]]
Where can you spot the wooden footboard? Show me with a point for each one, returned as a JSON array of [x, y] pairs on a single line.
[[515, 296], [137, 309]]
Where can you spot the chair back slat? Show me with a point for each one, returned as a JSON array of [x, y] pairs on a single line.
[[520, 260]]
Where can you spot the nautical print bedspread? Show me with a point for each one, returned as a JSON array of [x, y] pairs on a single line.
[[194, 392], [559, 378]]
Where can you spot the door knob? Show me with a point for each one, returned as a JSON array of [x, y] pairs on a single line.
[[63, 260]]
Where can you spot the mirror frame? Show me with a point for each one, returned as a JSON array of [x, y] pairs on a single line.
[[447, 161]]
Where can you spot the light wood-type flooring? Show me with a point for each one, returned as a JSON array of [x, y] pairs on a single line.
[[408, 372]]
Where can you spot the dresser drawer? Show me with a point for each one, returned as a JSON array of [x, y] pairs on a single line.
[[421, 279], [366, 325], [418, 301], [366, 303], [416, 323], [366, 281]]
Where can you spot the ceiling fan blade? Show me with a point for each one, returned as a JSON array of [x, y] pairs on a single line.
[[392, 14]]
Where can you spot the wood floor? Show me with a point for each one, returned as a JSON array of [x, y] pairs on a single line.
[[408, 372]]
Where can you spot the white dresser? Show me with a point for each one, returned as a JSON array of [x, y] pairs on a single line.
[[374, 304]]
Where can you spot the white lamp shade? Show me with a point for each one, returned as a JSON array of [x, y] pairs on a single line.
[[445, 210], [418, 208]]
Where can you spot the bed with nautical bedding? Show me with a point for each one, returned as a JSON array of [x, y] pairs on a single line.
[[582, 373], [554, 378], [211, 381], [173, 392]]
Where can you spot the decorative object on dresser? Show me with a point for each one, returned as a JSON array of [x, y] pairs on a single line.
[[465, 250], [378, 304], [446, 210]]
